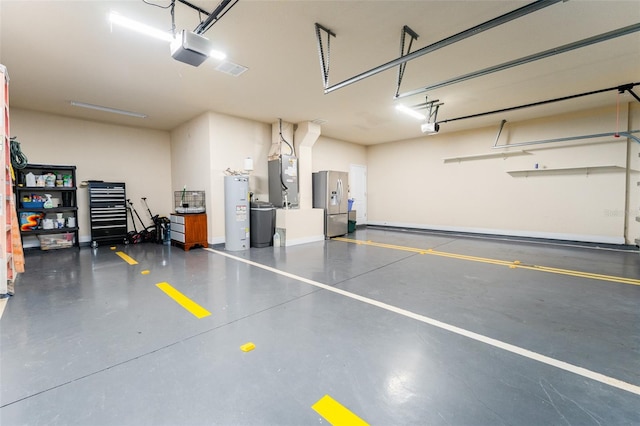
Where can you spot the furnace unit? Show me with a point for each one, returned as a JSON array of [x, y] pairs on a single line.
[[283, 182]]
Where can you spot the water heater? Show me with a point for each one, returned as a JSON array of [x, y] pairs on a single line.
[[283, 182], [236, 213]]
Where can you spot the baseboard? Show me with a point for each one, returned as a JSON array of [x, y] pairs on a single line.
[[305, 240], [601, 239]]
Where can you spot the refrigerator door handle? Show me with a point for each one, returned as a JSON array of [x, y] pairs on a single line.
[[340, 191]]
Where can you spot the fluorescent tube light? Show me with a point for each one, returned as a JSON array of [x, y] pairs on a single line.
[[216, 54], [180, 43], [117, 19], [410, 111], [108, 109]]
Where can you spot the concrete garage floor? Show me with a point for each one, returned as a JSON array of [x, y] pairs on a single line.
[[398, 328]]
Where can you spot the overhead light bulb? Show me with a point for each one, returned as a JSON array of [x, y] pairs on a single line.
[[187, 46], [117, 19], [410, 111], [216, 54]]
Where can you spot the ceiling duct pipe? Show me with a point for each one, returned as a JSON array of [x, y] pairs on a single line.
[[492, 23]]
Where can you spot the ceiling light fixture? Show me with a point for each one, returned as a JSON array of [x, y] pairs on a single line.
[[108, 109], [410, 111], [117, 19], [188, 47]]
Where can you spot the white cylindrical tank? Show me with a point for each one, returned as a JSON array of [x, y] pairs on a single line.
[[236, 213]]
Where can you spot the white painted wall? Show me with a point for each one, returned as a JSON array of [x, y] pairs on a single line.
[[411, 185], [190, 154], [333, 154], [232, 140], [633, 216], [208, 145], [139, 157], [408, 182]]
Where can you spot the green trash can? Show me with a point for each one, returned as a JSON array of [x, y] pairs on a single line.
[[352, 226]]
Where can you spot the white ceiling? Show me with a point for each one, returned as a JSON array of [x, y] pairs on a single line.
[[58, 51]]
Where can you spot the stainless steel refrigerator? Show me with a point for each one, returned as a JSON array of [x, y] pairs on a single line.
[[330, 194]]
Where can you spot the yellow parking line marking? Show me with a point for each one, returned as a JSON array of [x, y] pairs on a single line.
[[336, 413], [248, 347], [511, 264], [130, 260], [191, 306]]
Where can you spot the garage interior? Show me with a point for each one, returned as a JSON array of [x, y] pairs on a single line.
[[493, 153]]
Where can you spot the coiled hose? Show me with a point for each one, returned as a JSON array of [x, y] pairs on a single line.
[[18, 159]]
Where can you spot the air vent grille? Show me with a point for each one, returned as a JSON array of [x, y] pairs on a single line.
[[231, 68]]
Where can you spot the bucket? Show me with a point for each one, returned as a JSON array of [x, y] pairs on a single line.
[[350, 200]]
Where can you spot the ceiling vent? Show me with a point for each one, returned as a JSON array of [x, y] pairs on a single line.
[[231, 68]]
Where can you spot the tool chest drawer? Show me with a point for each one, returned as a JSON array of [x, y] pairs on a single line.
[[108, 212]]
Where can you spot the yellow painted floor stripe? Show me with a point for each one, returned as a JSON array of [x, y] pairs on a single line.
[[510, 264], [130, 260], [191, 306], [336, 413]]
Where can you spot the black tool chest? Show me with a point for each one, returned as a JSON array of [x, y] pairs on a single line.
[[108, 212]]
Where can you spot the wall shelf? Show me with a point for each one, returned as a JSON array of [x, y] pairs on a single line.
[[587, 170], [65, 209], [502, 155]]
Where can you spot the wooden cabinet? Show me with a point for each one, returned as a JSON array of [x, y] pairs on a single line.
[[54, 222], [189, 230]]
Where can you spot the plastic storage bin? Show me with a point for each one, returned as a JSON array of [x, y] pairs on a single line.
[[56, 241], [32, 204]]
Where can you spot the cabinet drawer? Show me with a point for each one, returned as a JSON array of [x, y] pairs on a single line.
[[108, 232], [176, 227], [110, 225], [177, 236], [177, 219]]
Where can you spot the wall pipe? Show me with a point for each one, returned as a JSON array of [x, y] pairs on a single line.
[[492, 23]]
